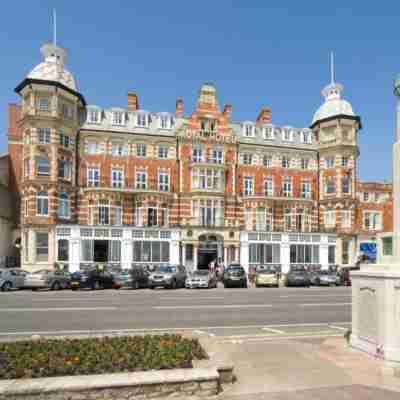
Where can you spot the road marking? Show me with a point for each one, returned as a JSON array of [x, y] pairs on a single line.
[[58, 309], [194, 298], [274, 338], [273, 330], [209, 306], [315, 295], [341, 328], [324, 304]]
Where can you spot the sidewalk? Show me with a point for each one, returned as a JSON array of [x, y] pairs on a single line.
[[304, 369]]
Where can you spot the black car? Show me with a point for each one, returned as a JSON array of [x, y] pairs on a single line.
[[139, 278], [235, 275], [94, 279], [298, 276]]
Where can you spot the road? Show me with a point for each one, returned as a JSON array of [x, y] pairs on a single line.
[[222, 312]]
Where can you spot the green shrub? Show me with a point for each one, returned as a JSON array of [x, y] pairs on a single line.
[[56, 357]]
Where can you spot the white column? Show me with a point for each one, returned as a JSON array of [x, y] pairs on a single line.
[[126, 254], [323, 255], [244, 255], [184, 255], [195, 249], [174, 252], [74, 254], [285, 257]]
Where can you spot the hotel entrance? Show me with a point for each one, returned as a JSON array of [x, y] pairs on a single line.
[[210, 249]]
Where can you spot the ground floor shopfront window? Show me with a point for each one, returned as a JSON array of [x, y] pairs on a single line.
[[151, 251], [101, 251], [304, 254], [263, 253]]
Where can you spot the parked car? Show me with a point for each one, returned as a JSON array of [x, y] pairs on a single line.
[[47, 279], [344, 275], [139, 278], [94, 279], [235, 275], [201, 279], [325, 278], [122, 277], [298, 276], [11, 278], [267, 276], [168, 276]]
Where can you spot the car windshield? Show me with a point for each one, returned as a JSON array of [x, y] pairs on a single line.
[[201, 273], [235, 268], [166, 269], [297, 269], [42, 272], [266, 270]]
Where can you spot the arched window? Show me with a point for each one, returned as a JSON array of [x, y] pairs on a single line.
[[42, 166], [42, 204], [64, 209]]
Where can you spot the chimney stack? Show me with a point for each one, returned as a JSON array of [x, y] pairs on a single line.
[[133, 101], [265, 116], [227, 111], [179, 107]]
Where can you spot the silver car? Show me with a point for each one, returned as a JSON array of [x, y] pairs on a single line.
[[201, 279], [11, 278], [47, 279]]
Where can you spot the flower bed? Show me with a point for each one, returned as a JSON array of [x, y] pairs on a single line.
[[56, 357]]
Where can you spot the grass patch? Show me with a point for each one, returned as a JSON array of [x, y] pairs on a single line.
[[56, 357]]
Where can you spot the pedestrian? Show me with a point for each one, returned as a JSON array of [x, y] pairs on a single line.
[[252, 275]]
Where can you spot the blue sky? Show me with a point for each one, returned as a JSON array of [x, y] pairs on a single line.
[[257, 53]]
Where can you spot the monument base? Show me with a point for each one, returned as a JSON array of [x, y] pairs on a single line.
[[376, 311]]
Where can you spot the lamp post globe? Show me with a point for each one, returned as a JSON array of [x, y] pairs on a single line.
[[397, 86]]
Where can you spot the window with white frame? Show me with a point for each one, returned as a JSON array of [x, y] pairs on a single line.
[[117, 178], [93, 177], [92, 147], [330, 218], [287, 135], [287, 186], [44, 104], [365, 196], [42, 204], [305, 137], [269, 186], [249, 130], [67, 110], [118, 118], [141, 150], [305, 189], [65, 140], [141, 179], [247, 158], [268, 132], [285, 162], [264, 219], [27, 169], [287, 219], [64, 209], [372, 220], [42, 166], [104, 212], [330, 186], [248, 219], [248, 185], [116, 213], [44, 135], [267, 161], [64, 169], [94, 116], [163, 180], [166, 121], [217, 156], [329, 162], [305, 163], [197, 154], [208, 212], [346, 218], [345, 161], [208, 178], [162, 151], [119, 149], [42, 246], [208, 125], [346, 187], [302, 219], [143, 119]]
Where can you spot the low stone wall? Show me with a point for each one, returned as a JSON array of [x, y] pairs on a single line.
[[202, 382]]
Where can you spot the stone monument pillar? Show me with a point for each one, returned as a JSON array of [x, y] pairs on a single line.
[[376, 288]]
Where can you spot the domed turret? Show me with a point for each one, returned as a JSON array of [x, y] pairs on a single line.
[[52, 68]]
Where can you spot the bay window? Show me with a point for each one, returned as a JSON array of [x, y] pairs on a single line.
[[264, 219], [93, 177], [64, 209], [42, 204], [163, 180], [208, 212], [207, 179], [330, 218], [141, 179]]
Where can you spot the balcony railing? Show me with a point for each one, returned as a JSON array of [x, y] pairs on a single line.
[[279, 194], [207, 223]]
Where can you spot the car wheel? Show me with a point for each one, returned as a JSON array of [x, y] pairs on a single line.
[[6, 287], [56, 286], [173, 285], [96, 285]]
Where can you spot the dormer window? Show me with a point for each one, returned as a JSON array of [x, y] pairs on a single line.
[[305, 137], [287, 135], [269, 133], [118, 118], [167, 121], [143, 119], [249, 130], [44, 104], [208, 125], [94, 116]]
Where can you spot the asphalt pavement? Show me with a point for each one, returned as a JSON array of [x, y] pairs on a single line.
[[232, 314]]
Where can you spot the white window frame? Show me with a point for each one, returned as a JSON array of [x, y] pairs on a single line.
[[44, 104], [249, 130], [142, 119], [118, 118], [287, 135], [330, 218], [269, 132], [141, 150], [117, 177], [306, 192], [42, 204], [38, 167], [197, 154], [166, 121], [141, 179], [94, 116], [287, 186], [247, 158], [65, 140], [93, 177], [92, 147], [346, 218], [345, 161], [330, 162], [162, 151], [305, 163], [65, 166], [208, 179], [44, 135], [64, 206], [248, 185], [269, 186], [365, 197], [217, 156], [372, 220], [306, 136], [267, 161], [119, 149], [163, 180], [286, 161]]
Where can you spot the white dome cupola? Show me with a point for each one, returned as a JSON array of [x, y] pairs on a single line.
[[334, 105]]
